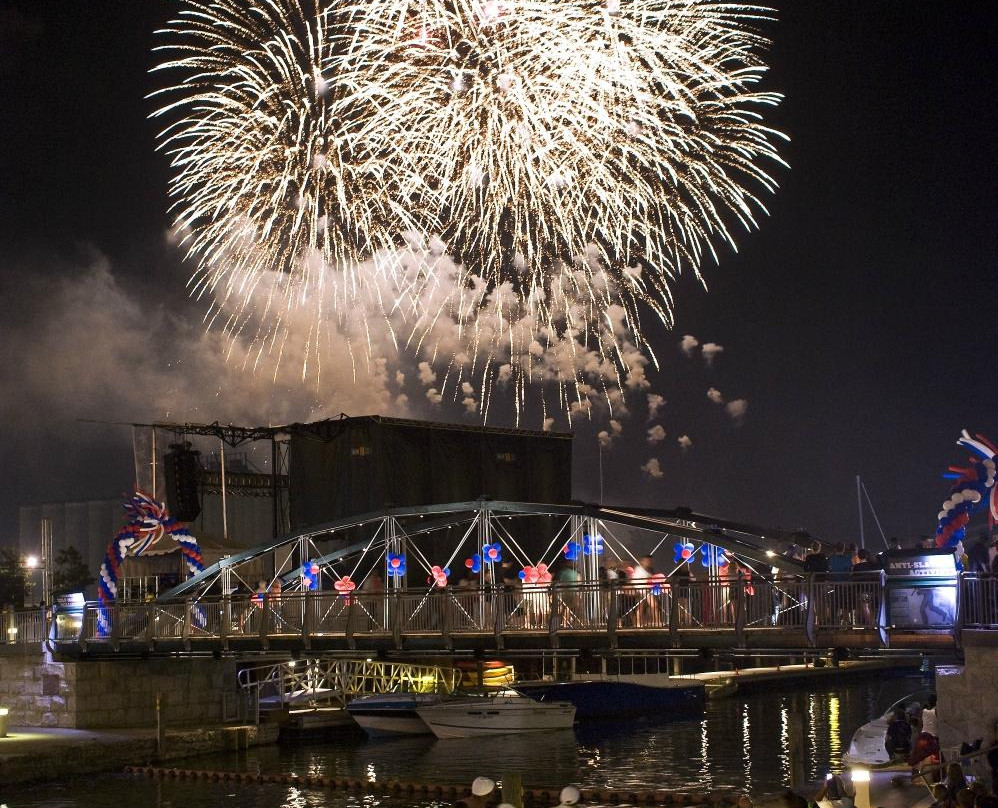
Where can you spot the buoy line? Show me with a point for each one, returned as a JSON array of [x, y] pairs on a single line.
[[531, 796]]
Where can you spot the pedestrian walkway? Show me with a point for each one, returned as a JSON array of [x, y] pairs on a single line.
[[48, 753]]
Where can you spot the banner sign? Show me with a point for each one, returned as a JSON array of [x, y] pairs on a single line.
[[920, 563]]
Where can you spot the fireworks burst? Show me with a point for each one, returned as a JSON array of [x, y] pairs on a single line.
[[573, 156]]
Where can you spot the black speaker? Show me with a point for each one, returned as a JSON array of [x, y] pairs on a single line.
[[182, 473]]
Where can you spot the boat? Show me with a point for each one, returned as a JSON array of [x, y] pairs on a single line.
[[505, 714], [391, 714], [647, 695], [867, 746]]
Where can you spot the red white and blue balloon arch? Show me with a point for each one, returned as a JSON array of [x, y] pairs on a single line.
[[973, 488], [148, 521]]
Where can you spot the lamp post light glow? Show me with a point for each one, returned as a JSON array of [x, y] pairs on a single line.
[[31, 562]]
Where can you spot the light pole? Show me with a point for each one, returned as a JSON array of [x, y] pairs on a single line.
[[47, 562], [30, 564]]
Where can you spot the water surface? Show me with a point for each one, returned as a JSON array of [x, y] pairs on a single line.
[[741, 743]]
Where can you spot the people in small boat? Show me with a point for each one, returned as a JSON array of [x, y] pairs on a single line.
[[928, 718], [939, 796], [993, 758], [897, 741], [955, 782], [836, 792]]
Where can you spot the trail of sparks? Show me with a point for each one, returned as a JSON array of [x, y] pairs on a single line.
[[573, 157]]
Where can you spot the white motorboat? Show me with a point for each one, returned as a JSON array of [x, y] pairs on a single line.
[[867, 747], [389, 714], [495, 715]]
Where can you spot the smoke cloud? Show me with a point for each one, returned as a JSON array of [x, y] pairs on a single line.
[[711, 350], [737, 409], [655, 405], [653, 469], [689, 344], [90, 345], [656, 435]]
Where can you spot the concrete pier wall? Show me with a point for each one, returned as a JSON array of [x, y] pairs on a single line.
[[968, 694], [45, 692]]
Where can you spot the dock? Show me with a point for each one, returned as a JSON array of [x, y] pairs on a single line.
[[746, 680]]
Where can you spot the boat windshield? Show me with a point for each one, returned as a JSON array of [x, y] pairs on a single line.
[[922, 696]]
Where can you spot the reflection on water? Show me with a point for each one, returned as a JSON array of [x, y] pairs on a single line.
[[741, 742]]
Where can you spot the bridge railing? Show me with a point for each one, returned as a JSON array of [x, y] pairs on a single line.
[[807, 604], [851, 601], [979, 601]]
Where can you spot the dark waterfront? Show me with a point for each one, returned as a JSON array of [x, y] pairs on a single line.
[[741, 743]]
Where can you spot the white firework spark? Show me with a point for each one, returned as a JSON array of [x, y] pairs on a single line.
[[574, 156]]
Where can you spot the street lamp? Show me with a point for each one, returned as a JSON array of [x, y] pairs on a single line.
[[31, 562]]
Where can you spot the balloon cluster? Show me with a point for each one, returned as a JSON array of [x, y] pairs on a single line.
[[491, 554], [592, 545], [148, 522], [712, 554], [345, 586], [535, 575], [683, 552], [439, 576], [572, 550], [310, 576], [658, 583], [396, 565], [972, 487]]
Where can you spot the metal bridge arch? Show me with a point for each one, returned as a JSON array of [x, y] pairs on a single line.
[[478, 522]]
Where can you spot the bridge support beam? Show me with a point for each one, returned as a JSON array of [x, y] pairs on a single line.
[[265, 617], [810, 624], [740, 610], [554, 620], [612, 616]]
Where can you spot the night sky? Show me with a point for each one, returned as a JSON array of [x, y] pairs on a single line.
[[859, 322]]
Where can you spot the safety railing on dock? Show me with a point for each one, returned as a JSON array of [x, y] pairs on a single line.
[[740, 605]]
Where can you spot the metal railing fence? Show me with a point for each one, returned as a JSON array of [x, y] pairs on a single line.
[[738, 604]]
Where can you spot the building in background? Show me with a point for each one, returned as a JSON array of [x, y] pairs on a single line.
[[242, 486]]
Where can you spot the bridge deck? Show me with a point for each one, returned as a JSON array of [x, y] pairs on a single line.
[[796, 614]]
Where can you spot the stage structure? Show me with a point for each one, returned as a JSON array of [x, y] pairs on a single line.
[[239, 486], [346, 466]]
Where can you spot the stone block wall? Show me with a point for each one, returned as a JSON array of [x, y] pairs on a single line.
[[116, 694], [37, 691], [968, 694]]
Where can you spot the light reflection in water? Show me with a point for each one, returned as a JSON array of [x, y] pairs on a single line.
[[747, 747], [740, 742], [785, 741], [834, 731], [812, 736], [705, 754]]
